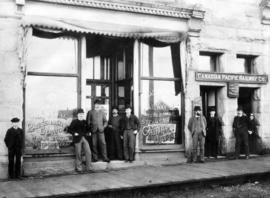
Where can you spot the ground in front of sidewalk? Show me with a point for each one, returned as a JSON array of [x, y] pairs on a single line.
[[253, 189]]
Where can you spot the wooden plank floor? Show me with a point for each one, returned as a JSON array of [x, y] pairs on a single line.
[[132, 178]]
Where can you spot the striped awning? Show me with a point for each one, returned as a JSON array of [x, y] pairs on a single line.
[[101, 28]]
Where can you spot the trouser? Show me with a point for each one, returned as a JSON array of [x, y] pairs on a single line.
[[98, 138], [129, 145], [198, 139], [211, 147], [241, 137], [11, 155], [114, 145], [78, 151]]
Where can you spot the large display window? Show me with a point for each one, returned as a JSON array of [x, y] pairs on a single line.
[[160, 104], [51, 94]]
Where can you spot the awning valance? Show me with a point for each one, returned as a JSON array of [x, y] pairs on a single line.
[[101, 28]]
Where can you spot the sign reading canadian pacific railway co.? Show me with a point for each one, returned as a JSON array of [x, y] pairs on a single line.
[[236, 78]]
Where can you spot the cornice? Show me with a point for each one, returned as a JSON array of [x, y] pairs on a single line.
[[136, 7]]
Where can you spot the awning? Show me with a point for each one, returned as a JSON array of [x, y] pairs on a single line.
[[101, 28]]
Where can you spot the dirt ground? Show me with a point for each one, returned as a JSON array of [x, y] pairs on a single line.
[[248, 190]]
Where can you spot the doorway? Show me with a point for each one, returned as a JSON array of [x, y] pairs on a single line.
[[209, 99], [249, 100], [109, 73]]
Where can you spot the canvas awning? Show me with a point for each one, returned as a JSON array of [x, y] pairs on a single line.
[[101, 28]]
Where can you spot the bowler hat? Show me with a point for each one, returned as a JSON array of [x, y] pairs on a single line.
[[212, 108], [15, 120], [240, 108], [80, 111], [197, 108]]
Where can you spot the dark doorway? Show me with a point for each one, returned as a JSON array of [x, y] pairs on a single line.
[[209, 99], [248, 101], [245, 99]]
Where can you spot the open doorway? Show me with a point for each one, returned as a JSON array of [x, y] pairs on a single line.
[[210, 102], [248, 99], [109, 72]]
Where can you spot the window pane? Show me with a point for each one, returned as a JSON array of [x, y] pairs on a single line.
[[57, 55], [205, 63], [239, 67], [157, 62], [89, 68], [160, 113], [50, 102], [97, 67]]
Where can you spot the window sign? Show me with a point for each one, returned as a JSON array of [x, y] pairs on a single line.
[[50, 103], [160, 113]]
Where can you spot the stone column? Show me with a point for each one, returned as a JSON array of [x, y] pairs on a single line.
[[11, 74]]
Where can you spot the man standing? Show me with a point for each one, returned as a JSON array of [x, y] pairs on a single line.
[[96, 119], [130, 124], [197, 127], [79, 130], [240, 130], [114, 144], [14, 143], [213, 133]]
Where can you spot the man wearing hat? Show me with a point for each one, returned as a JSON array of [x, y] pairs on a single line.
[[240, 130], [197, 127], [130, 125], [96, 118], [213, 133], [79, 130], [14, 143]]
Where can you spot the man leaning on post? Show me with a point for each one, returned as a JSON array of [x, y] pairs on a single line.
[[79, 130]]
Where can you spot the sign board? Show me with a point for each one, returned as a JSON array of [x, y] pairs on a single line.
[[234, 78], [233, 90], [159, 133]]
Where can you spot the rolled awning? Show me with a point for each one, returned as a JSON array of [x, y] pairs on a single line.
[[101, 28]]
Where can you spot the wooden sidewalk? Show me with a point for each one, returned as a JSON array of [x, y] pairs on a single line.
[[135, 178]]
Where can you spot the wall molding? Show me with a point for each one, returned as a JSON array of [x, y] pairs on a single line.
[[135, 7]]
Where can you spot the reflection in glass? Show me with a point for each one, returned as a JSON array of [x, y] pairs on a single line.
[[57, 55], [50, 102], [160, 109]]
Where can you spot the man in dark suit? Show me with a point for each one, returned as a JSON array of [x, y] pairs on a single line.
[[130, 125], [213, 133], [80, 130], [240, 130], [98, 122], [115, 150], [14, 143]]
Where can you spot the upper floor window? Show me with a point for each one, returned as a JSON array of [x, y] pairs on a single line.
[[244, 64], [209, 61]]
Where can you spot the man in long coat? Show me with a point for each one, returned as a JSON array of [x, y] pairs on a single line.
[[197, 127]]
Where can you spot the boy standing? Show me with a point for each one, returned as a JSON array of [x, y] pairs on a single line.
[[14, 143]]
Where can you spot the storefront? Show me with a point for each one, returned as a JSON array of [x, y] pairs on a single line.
[[162, 58], [70, 60]]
